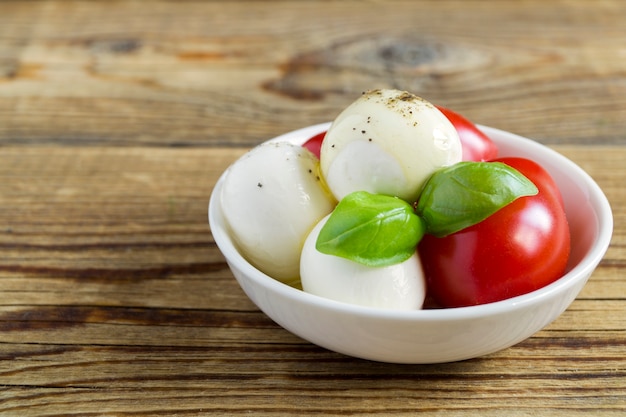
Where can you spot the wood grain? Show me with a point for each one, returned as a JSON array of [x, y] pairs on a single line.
[[117, 118], [92, 73], [116, 298]]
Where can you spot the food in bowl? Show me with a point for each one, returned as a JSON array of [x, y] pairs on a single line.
[[434, 335], [412, 218]]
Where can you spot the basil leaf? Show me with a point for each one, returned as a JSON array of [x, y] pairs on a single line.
[[371, 229], [468, 192]]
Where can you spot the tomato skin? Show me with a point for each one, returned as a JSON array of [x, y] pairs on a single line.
[[314, 144], [476, 145], [520, 248]]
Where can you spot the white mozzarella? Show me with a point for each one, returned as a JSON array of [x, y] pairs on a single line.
[[401, 286], [387, 142], [271, 199]]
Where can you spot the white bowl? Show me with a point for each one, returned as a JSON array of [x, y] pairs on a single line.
[[442, 335]]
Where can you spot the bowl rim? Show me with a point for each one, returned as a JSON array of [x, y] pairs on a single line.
[[583, 269]]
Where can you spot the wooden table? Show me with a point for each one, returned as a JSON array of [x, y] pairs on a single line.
[[116, 119]]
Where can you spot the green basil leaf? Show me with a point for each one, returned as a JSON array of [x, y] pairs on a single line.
[[466, 193], [371, 229]]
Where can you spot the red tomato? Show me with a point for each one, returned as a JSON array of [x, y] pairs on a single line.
[[314, 144], [476, 145], [520, 248]]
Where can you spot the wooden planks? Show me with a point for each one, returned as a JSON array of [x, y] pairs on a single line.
[[116, 119], [125, 306], [289, 379], [215, 73]]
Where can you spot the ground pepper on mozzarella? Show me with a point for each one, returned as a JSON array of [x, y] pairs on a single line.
[[272, 197], [387, 142]]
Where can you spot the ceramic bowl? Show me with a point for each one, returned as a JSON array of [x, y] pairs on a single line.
[[438, 335]]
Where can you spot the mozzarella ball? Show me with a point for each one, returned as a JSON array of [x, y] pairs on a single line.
[[387, 142], [401, 286], [271, 199]]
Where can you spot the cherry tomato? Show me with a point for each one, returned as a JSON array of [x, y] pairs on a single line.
[[476, 145], [520, 248], [314, 144]]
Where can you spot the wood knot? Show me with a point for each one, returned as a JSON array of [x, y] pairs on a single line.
[[115, 46], [406, 62]]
